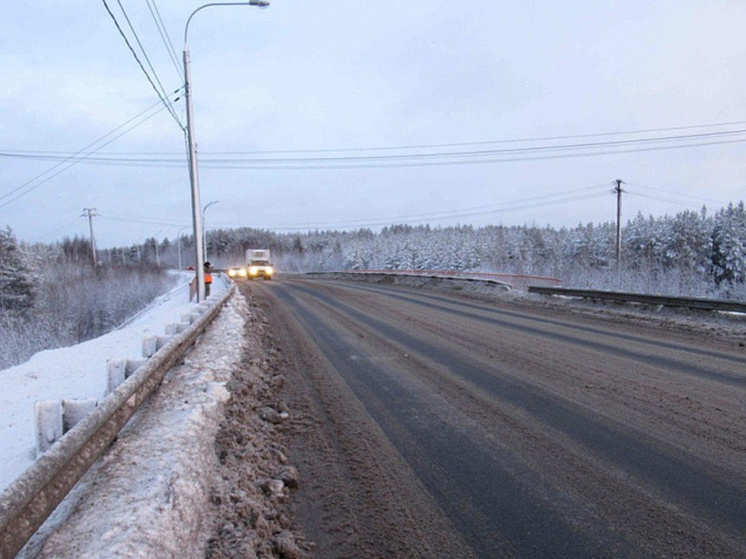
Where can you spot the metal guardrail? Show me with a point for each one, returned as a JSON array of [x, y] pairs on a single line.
[[418, 274], [470, 276], [622, 297], [503, 281], [30, 499]]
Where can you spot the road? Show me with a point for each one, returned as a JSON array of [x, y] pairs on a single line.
[[427, 424]]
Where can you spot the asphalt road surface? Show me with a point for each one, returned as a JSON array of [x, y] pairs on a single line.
[[427, 424]]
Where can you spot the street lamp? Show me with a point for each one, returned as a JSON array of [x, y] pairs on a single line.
[[193, 174], [204, 229], [178, 237]]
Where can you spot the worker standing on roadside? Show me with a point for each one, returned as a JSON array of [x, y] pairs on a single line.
[[208, 278]]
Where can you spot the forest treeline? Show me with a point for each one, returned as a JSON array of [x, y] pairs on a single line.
[[692, 253], [54, 292], [689, 254], [49, 300]]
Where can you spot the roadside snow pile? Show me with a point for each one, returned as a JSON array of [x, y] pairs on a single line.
[[198, 471], [76, 372], [148, 495]]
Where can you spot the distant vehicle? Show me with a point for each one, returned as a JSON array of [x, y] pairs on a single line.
[[237, 272], [259, 264]]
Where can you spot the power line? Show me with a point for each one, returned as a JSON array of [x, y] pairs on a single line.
[[78, 157], [141, 219], [163, 32], [505, 155], [675, 200], [490, 142], [677, 194], [505, 207], [465, 144], [147, 58], [137, 58], [57, 228], [564, 197]]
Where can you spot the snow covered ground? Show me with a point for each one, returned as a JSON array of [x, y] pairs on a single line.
[[148, 495], [77, 372]]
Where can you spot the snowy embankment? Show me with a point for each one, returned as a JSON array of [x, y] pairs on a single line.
[[147, 494], [76, 372]]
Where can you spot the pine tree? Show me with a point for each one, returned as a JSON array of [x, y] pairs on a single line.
[[18, 282], [729, 245]]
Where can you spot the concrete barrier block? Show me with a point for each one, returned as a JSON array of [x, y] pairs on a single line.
[[131, 365], [116, 373], [149, 346], [172, 329], [181, 326], [73, 411], [160, 341], [48, 421]]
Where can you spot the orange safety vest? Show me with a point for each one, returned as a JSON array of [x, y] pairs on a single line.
[[208, 277]]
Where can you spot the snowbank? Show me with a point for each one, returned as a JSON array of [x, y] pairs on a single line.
[[149, 494], [77, 372]]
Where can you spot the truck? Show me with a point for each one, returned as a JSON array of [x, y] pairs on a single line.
[[258, 264]]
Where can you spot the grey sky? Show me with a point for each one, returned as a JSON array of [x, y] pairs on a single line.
[[307, 77]]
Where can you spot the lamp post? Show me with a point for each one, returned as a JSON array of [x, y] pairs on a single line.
[[178, 239], [204, 229], [193, 172]]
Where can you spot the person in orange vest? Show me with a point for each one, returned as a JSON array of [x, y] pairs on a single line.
[[208, 278]]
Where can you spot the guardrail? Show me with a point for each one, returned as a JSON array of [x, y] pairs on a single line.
[[30, 499], [476, 277], [510, 280], [622, 297]]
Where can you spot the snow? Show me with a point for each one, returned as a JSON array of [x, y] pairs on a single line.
[[153, 473]]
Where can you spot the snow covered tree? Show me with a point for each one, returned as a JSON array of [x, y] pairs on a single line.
[[729, 245], [18, 281]]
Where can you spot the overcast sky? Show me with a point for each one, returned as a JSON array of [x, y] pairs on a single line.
[[342, 114]]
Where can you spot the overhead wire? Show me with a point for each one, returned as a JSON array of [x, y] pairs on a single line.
[[140, 219], [460, 157], [453, 144], [55, 229], [150, 65], [675, 201], [492, 142], [674, 193], [142, 67], [505, 207], [165, 37], [563, 197], [79, 156]]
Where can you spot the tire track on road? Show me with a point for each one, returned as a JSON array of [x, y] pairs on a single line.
[[441, 452]]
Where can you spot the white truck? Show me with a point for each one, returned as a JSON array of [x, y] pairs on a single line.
[[258, 264]]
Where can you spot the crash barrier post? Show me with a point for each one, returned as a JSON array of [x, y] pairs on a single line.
[[54, 418]]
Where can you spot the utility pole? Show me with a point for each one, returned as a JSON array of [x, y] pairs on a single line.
[[192, 148], [618, 191], [90, 213]]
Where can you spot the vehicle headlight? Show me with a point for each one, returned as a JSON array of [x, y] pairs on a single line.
[[270, 271], [253, 270], [242, 272]]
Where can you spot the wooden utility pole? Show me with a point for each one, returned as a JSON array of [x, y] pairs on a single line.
[[90, 213], [618, 191]]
